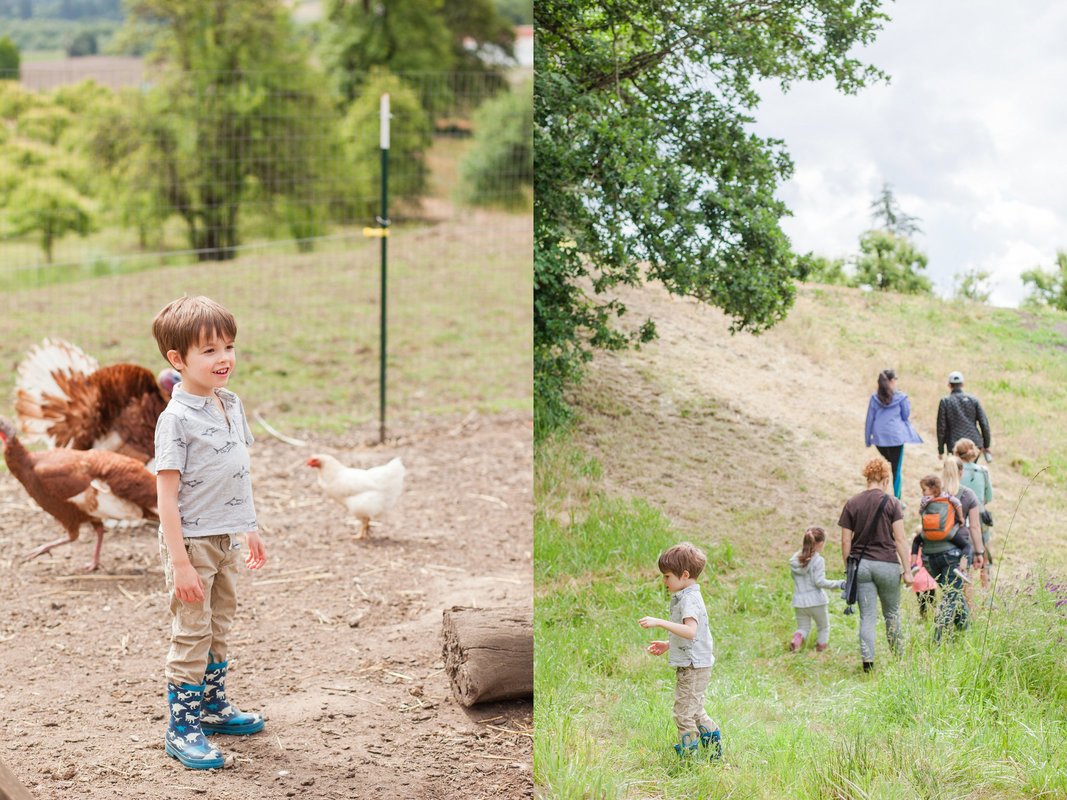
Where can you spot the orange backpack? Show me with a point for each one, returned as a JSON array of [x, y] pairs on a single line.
[[939, 520]]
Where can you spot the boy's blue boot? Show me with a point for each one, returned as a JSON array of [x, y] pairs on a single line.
[[687, 747], [218, 716], [185, 740], [711, 740]]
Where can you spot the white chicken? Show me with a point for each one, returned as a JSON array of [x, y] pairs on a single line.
[[366, 493]]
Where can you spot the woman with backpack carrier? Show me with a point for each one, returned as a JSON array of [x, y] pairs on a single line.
[[872, 536], [889, 425], [975, 476], [949, 536]]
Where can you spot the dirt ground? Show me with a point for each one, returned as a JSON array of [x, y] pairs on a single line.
[[698, 408], [337, 642]]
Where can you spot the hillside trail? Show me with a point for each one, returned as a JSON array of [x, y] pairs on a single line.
[[723, 429]]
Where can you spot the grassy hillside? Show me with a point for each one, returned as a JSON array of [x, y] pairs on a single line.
[[738, 443]]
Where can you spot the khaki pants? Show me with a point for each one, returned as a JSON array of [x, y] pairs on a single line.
[[199, 628], [689, 686]]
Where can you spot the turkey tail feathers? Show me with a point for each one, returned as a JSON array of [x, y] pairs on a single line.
[[46, 381]]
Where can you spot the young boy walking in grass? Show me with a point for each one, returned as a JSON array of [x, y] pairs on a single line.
[[688, 647], [205, 500]]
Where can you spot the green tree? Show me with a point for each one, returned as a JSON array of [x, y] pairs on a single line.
[[84, 44], [891, 263], [820, 269], [973, 285], [498, 169], [413, 36], [410, 137], [1048, 287], [405, 36], [647, 166], [50, 207], [10, 58], [235, 111], [886, 210]]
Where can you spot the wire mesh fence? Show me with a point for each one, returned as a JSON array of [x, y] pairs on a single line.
[[120, 193]]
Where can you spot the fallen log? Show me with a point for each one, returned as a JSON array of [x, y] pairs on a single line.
[[10, 788], [488, 653]]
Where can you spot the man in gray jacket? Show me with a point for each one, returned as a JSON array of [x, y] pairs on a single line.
[[960, 416]]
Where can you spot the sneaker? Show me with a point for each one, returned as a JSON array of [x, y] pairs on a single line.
[[798, 641], [868, 666], [712, 740]]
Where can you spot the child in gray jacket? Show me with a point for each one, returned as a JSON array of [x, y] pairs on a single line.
[[809, 600]]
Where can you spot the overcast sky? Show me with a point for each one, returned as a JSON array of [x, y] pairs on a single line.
[[971, 133]]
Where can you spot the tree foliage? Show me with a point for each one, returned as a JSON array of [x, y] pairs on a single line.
[[498, 169], [1048, 287], [410, 36], [84, 44], [10, 59], [820, 269], [972, 285], [50, 207], [891, 263], [410, 137], [233, 113], [647, 168], [886, 210]]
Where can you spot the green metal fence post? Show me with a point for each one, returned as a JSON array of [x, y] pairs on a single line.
[[383, 221]]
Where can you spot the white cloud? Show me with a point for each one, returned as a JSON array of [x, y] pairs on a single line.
[[969, 132]]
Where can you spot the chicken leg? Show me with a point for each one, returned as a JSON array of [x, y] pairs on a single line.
[[92, 566]]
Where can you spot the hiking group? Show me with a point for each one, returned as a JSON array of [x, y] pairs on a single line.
[[951, 539]]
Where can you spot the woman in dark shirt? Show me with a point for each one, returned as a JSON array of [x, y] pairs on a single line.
[[874, 531]]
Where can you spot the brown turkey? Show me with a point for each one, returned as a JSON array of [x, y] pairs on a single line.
[[79, 487], [64, 398]]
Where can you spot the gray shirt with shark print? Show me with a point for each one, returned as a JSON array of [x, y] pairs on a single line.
[[211, 453]]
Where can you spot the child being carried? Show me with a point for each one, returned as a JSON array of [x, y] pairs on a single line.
[[941, 515]]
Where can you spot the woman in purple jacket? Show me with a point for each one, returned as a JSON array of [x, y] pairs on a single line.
[[888, 427]]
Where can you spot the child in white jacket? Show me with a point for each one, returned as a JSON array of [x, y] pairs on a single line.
[[809, 600]]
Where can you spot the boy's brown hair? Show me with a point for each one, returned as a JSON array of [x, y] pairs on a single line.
[[183, 323], [683, 557], [931, 482]]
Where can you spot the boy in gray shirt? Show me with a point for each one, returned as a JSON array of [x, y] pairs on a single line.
[[205, 499], [688, 647]]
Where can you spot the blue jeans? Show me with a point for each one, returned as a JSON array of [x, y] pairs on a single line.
[[953, 608]]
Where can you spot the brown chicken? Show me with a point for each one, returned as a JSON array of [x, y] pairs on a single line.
[[64, 398], [81, 486]]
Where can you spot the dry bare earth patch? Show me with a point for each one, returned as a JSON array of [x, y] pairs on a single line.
[[749, 439], [337, 641]]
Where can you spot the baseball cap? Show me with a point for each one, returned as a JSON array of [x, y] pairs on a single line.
[[955, 377]]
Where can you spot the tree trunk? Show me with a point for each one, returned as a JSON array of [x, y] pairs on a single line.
[[10, 787], [488, 653]]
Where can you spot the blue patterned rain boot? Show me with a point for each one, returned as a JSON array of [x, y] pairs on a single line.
[[185, 740], [711, 740], [687, 747], [218, 715]]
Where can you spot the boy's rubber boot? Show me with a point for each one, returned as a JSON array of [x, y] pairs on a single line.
[[184, 739], [218, 716], [688, 746], [712, 740]]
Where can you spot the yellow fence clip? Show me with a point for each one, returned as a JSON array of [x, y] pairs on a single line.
[[377, 233]]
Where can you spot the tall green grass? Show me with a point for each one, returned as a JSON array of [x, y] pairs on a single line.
[[984, 715]]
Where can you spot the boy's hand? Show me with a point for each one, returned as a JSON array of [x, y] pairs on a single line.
[[650, 622], [658, 648], [257, 553], [188, 585]]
